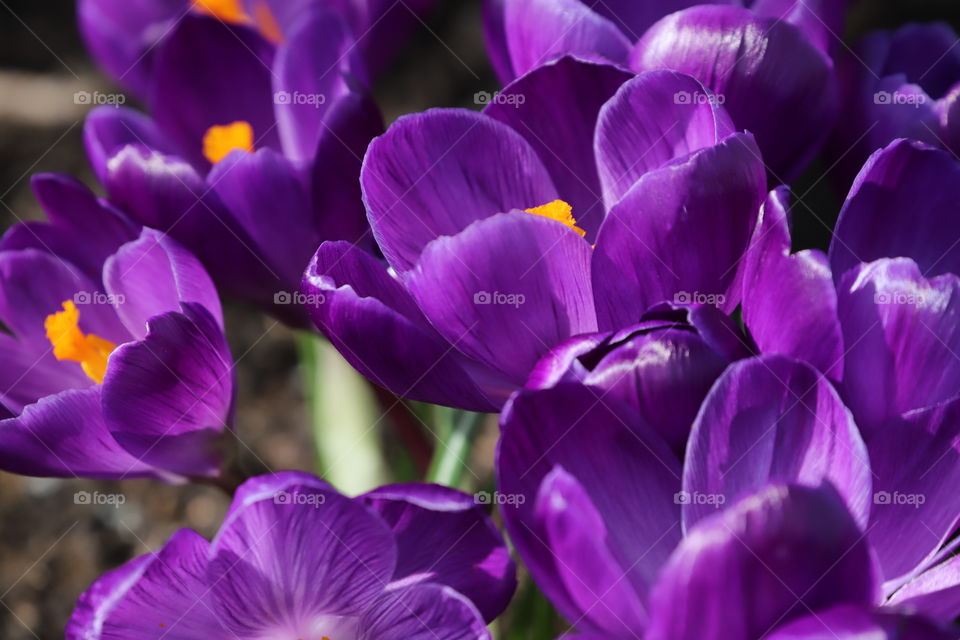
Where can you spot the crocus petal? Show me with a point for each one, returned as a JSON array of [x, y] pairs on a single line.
[[434, 173], [312, 72], [904, 203], [290, 534], [680, 233], [495, 37], [24, 306], [121, 35], [902, 336], [934, 593], [209, 73], [770, 558], [789, 301], [166, 193], [423, 612], [31, 372], [507, 288], [859, 623], [950, 119], [772, 419], [593, 577], [561, 131], [915, 510], [160, 594], [923, 53], [371, 319], [771, 77], [65, 436], [821, 20], [168, 397], [267, 198], [108, 129], [538, 31], [653, 119], [153, 275], [445, 536], [625, 469]]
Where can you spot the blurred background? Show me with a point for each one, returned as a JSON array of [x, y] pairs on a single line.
[[51, 547]]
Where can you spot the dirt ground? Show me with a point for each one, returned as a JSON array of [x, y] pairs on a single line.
[[51, 546]]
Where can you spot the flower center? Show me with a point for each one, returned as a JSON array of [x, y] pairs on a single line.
[[220, 140], [232, 12], [69, 343], [560, 211]]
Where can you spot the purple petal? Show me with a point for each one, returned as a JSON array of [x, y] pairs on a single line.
[[250, 184], [789, 301], [121, 36], [495, 37], [64, 435], [900, 185], [594, 578], [167, 194], [506, 289], [538, 31], [847, 622], [434, 173], [31, 372], [371, 319], [108, 129], [209, 73], [902, 338], [680, 233], [312, 72], [821, 20], [925, 54], [773, 420], [168, 398], [423, 612], [561, 131], [153, 275], [764, 561], [163, 594], [291, 552], [774, 82], [934, 593], [915, 507], [445, 536], [625, 469], [655, 118]]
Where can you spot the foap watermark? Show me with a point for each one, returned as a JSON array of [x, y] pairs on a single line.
[[698, 97], [899, 499], [498, 298], [299, 298], [299, 98], [98, 297], [97, 498], [715, 500], [898, 298], [484, 98], [512, 499], [97, 98], [298, 499], [695, 297], [899, 98]]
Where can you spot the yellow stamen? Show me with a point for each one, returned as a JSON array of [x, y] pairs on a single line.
[[227, 10], [266, 22], [220, 140], [69, 343], [560, 211]]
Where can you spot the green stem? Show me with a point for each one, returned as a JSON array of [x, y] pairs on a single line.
[[456, 431], [344, 417]]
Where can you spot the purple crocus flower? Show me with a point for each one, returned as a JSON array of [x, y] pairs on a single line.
[[768, 62], [510, 231], [878, 314], [116, 365], [247, 139], [296, 559], [899, 84], [773, 516]]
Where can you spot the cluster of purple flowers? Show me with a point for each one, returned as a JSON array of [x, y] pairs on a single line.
[[704, 434]]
